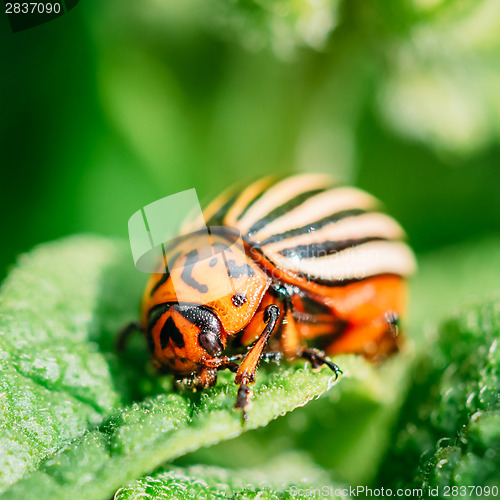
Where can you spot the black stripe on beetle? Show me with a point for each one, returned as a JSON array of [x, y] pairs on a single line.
[[252, 202], [283, 209], [218, 217], [314, 226], [192, 258], [325, 248], [235, 271], [335, 283], [166, 274]]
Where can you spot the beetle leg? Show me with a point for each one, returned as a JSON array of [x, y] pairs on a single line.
[[246, 371], [317, 359], [222, 362], [235, 357], [228, 362], [124, 336], [254, 329]]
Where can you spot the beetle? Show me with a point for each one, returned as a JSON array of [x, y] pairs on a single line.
[[319, 271]]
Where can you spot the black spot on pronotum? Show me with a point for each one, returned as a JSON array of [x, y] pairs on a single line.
[[235, 271], [238, 299], [170, 331], [213, 262], [191, 259]]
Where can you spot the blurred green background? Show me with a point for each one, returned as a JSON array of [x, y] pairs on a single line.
[[119, 103]]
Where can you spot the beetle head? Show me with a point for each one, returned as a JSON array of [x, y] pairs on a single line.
[[189, 335]]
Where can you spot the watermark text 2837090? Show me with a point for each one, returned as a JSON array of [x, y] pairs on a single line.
[[367, 492], [29, 14], [32, 8]]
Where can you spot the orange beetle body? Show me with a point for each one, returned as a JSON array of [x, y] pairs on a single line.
[[186, 354], [317, 264]]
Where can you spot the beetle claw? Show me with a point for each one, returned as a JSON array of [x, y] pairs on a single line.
[[243, 399], [317, 359]]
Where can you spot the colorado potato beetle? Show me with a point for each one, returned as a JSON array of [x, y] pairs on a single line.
[[319, 270]]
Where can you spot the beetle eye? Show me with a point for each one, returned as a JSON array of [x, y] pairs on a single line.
[[210, 342]]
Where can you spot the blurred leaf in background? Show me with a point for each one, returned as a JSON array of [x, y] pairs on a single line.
[[135, 101], [270, 481]]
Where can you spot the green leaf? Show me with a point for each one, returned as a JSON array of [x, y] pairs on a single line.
[[474, 460], [347, 431], [66, 414], [56, 380], [450, 422], [469, 401], [286, 477], [140, 438]]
